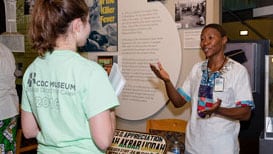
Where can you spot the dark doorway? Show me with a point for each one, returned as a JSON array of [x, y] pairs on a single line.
[[2, 17]]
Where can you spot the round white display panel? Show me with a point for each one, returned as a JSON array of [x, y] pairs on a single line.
[[147, 34]]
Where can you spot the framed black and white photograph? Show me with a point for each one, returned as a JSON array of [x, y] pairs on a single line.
[[190, 13]]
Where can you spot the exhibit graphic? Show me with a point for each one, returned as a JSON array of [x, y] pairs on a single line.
[[190, 13], [103, 21], [147, 34]]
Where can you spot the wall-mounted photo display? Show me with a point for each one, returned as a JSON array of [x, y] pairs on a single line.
[[190, 13], [28, 6], [103, 21]]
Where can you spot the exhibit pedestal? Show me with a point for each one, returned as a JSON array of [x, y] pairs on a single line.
[[265, 145]]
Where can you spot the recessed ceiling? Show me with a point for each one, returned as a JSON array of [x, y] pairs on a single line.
[[263, 11], [240, 10]]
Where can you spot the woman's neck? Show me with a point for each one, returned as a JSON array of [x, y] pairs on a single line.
[[65, 48], [216, 63], [65, 43]]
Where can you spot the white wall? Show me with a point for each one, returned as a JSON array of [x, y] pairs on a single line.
[[190, 57]]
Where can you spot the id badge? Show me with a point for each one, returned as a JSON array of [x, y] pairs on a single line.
[[219, 84]]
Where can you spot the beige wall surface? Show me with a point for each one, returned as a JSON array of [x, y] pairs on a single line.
[[189, 57]]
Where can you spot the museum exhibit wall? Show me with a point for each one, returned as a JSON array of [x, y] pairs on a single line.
[[189, 56], [179, 64]]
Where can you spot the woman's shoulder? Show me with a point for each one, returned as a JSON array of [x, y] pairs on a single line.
[[200, 64], [235, 65], [234, 68], [88, 67], [88, 64]]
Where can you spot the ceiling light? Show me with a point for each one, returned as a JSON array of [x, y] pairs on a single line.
[[243, 32]]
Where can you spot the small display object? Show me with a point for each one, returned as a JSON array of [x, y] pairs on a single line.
[[14, 41], [268, 132], [106, 62]]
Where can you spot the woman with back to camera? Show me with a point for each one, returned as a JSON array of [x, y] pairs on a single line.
[[220, 95], [67, 100]]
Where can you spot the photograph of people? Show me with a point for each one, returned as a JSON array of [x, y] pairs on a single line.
[[103, 36], [219, 91], [190, 14], [67, 100], [28, 6]]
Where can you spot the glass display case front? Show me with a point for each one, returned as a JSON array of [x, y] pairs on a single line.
[[268, 132]]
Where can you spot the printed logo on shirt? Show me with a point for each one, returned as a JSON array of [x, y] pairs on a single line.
[[46, 93], [31, 79]]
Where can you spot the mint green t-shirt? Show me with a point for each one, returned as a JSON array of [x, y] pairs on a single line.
[[63, 90]]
